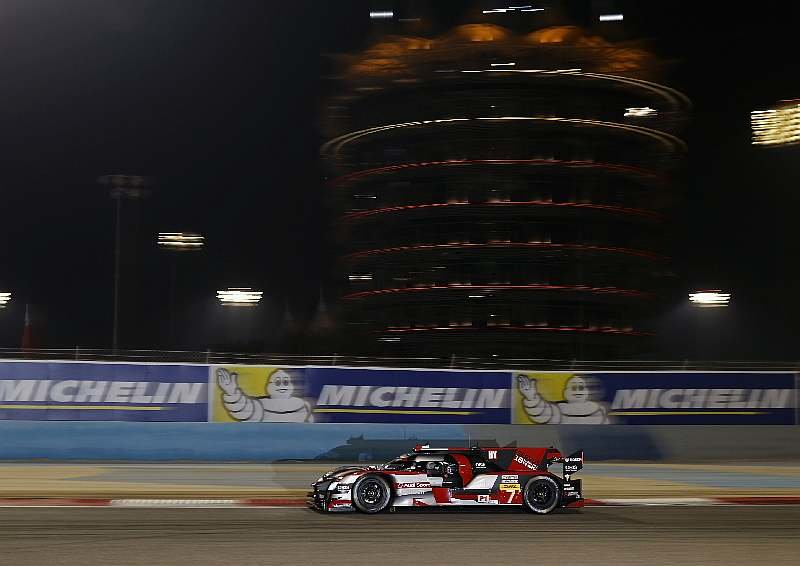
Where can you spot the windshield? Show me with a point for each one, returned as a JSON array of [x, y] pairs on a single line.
[[402, 463]]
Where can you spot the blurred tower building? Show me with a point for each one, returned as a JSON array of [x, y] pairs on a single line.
[[502, 193]]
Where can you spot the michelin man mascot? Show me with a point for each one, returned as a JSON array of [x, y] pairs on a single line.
[[280, 406], [578, 408]]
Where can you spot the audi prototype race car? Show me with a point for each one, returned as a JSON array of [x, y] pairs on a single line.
[[448, 477]]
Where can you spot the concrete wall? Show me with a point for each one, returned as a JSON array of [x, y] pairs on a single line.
[[121, 441], [210, 442]]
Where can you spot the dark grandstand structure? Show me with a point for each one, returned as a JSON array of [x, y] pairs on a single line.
[[502, 194]]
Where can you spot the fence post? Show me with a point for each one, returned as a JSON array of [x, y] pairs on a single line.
[[77, 352], [333, 360], [452, 360], [208, 354]]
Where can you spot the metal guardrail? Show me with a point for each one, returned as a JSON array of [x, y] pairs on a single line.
[[452, 362]]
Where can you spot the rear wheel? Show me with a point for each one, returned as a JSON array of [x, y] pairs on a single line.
[[542, 495], [371, 494]]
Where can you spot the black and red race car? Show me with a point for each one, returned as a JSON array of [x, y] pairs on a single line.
[[446, 477]]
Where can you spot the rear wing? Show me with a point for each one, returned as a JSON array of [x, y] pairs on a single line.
[[573, 463]]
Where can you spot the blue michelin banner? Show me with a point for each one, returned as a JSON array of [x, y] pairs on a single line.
[[67, 391], [354, 395], [682, 398], [63, 391]]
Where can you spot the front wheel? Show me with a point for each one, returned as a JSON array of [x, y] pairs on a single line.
[[542, 495], [371, 494]]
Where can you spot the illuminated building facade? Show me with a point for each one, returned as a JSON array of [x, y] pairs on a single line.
[[501, 194]]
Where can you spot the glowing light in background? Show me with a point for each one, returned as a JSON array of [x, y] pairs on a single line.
[[335, 145], [239, 297], [381, 14], [710, 298], [478, 291], [640, 112], [513, 9], [4, 299], [584, 330], [180, 241], [468, 162], [542, 245], [611, 17], [777, 126]]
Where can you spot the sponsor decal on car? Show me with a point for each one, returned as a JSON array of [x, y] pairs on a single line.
[[527, 463], [511, 489], [493, 454], [414, 485], [509, 478]]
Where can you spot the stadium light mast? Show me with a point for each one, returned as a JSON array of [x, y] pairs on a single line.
[[121, 187], [177, 243]]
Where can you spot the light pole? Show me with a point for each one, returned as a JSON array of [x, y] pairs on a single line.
[[175, 242], [238, 324], [707, 324], [121, 187]]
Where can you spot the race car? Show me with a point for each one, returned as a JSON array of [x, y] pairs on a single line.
[[451, 477]]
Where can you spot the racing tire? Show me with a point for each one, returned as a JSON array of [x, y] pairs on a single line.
[[542, 494], [371, 494]]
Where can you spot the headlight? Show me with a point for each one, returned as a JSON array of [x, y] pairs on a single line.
[[333, 485]]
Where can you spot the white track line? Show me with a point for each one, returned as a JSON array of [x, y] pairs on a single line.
[[659, 501], [176, 502]]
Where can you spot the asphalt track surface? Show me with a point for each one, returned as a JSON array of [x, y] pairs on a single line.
[[620, 536], [600, 480]]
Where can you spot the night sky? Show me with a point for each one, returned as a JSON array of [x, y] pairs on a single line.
[[220, 102]]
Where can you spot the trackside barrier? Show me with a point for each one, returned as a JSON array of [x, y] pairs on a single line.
[[81, 391], [64, 410]]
